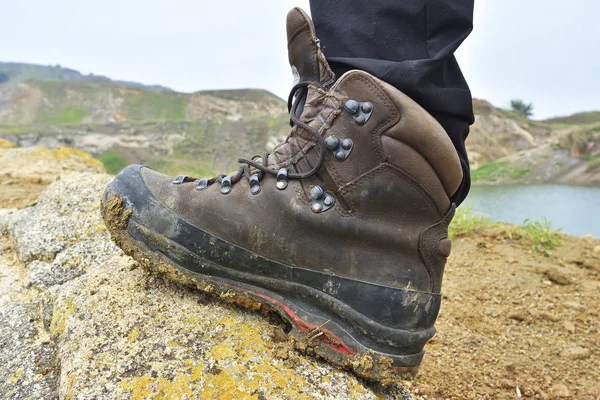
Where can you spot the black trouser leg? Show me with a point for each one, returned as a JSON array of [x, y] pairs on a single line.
[[409, 44]]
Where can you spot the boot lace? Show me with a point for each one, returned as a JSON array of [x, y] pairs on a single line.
[[298, 92]]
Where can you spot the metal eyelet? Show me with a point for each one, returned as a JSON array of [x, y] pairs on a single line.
[[226, 186], [352, 106], [341, 148], [282, 176], [361, 111], [179, 180], [254, 184], [321, 200], [202, 184]]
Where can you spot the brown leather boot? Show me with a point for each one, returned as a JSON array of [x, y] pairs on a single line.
[[342, 229]]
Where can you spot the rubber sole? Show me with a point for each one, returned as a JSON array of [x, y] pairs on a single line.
[[315, 329]]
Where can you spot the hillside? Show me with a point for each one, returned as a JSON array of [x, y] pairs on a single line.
[[204, 133], [198, 133], [507, 148], [589, 117], [18, 72]]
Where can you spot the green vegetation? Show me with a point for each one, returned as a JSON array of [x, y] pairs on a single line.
[[113, 161], [494, 170], [14, 130], [579, 118], [594, 161], [518, 172], [466, 221], [543, 238], [177, 167], [64, 116], [592, 133], [3, 77], [489, 171], [254, 95], [158, 106], [520, 107]]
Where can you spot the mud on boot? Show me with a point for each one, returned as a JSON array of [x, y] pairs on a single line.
[[342, 229]]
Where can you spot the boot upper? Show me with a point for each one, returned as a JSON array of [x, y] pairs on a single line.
[[376, 210]]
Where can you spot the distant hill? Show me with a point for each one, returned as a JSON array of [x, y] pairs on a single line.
[[205, 132], [506, 148], [123, 122], [67, 102], [579, 118], [18, 72]]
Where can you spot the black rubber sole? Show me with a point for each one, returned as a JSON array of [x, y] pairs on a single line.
[[314, 330]]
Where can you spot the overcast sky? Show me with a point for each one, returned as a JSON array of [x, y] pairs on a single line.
[[543, 51]]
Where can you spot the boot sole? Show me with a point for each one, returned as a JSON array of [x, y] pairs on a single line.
[[314, 316]]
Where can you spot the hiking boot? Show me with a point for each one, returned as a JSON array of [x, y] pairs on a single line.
[[342, 229]]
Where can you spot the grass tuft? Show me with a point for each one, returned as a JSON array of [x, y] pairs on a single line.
[[465, 221], [543, 238]]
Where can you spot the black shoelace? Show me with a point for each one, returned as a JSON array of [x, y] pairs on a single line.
[[298, 92]]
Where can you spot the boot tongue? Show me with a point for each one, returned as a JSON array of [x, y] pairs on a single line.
[[304, 51], [308, 65]]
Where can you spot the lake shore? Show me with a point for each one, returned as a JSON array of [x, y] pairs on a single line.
[[567, 207]]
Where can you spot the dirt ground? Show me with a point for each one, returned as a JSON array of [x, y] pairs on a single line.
[[516, 323], [16, 193], [25, 172]]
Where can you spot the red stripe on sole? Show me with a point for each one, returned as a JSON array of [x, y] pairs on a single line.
[[303, 325]]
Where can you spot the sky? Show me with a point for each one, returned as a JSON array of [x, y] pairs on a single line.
[[543, 51]]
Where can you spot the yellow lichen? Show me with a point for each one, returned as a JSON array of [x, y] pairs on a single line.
[[5, 144], [181, 386], [69, 153], [15, 378], [140, 387], [241, 375], [60, 314], [223, 351], [133, 335]]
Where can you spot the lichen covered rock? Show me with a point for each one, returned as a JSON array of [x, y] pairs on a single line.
[[89, 322]]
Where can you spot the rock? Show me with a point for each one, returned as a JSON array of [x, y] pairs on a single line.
[[45, 165], [506, 384], [556, 276], [561, 390], [5, 144], [117, 331], [28, 366], [569, 326], [24, 173], [592, 263], [573, 305], [72, 262], [42, 275], [596, 250], [518, 316], [575, 353], [5, 218], [60, 218], [546, 316]]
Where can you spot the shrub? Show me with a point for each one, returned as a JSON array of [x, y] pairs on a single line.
[[521, 108]]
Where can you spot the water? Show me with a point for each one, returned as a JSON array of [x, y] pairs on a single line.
[[573, 209]]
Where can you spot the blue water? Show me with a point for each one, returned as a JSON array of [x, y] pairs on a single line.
[[573, 209]]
